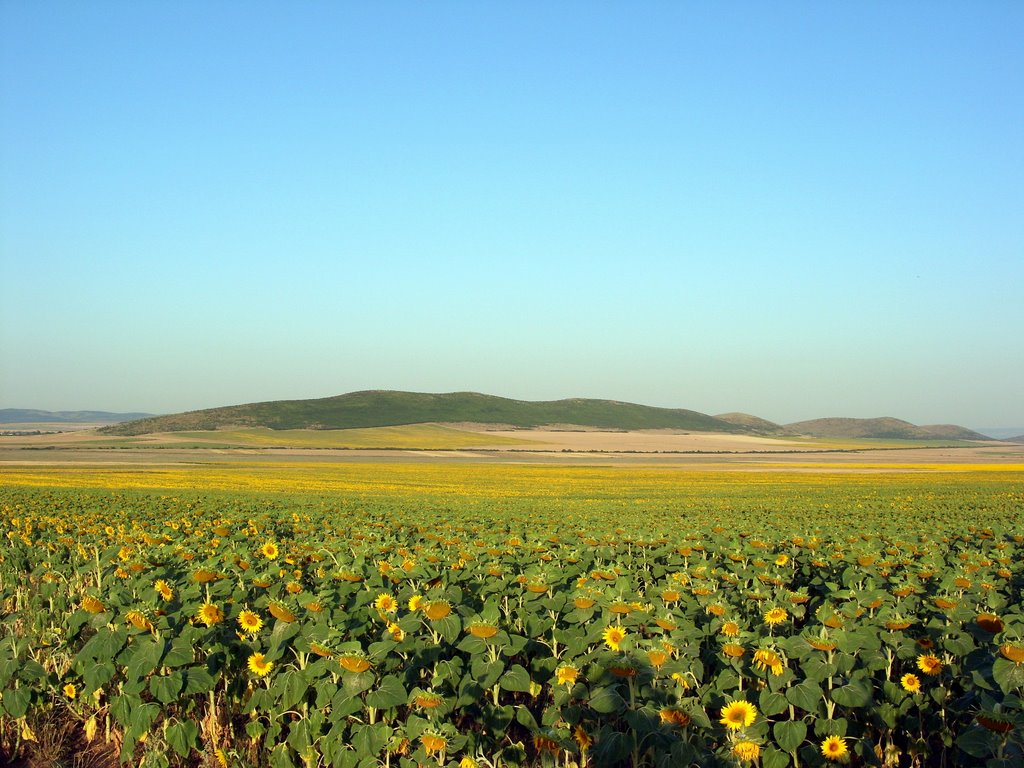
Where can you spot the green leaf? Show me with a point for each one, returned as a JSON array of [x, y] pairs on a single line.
[[390, 693], [1007, 674], [166, 688], [142, 718], [854, 694], [16, 701], [790, 734], [197, 680], [806, 695], [773, 758], [606, 701], [183, 736], [179, 654], [97, 675], [772, 703], [516, 679]]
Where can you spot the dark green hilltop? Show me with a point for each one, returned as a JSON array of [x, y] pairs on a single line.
[[386, 408], [379, 408]]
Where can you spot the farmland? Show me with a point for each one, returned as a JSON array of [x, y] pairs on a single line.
[[288, 612]]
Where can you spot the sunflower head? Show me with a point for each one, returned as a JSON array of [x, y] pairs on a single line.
[[567, 675], [746, 751], [911, 683], [433, 741], [738, 714], [250, 622], [270, 550], [385, 603], [834, 748], [775, 616], [613, 637], [259, 665], [436, 610], [929, 664]]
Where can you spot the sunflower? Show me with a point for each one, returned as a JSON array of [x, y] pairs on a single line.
[[657, 657], [482, 629], [436, 610], [738, 714], [433, 742], [259, 665], [674, 716], [209, 614], [396, 632], [269, 550], [415, 602], [582, 739], [731, 629], [746, 751], [990, 622], [929, 664], [834, 748], [911, 682], [354, 662], [613, 637], [385, 603], [566, 675], [775, 616], [765, 659], [280, 611], [1012, 652], [70, 691], [250, 622], [164, 589]]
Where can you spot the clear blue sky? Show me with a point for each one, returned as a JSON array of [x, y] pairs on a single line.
[[793, 209]]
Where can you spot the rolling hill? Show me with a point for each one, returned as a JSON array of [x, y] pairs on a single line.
[[886, 428], [32, 416], [380, 408], [386, 408]]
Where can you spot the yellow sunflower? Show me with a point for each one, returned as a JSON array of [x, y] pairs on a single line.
[[70, 691], [433, 742], [250, 622], [746, 751], [269, 550], [164, 589], [209, 614], [566, 675], [385, 603], [259, 665], [775, 616], [613, 637], [415, 602], [834, 748], [929, 664], [911, 682], [738, 714]]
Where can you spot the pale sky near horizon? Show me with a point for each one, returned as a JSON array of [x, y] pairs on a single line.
[[792, 209]]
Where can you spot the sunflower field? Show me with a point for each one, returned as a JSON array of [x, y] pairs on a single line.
[[511, 616]]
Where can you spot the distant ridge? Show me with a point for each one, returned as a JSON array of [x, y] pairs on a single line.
[[385, 408], [885, 427], [753, 424], [31, 416]]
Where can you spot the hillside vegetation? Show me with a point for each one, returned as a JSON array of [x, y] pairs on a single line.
[[884, 428], [386, 408]]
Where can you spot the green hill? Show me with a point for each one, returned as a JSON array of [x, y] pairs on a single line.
[[380, 408], [885, 428]]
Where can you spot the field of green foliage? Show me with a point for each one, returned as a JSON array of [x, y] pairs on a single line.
[[488, 615]]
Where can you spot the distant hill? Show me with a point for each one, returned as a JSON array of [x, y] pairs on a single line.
[[30, 416], [382, 408], [881, 428], [1016, 439], [754, 424]]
